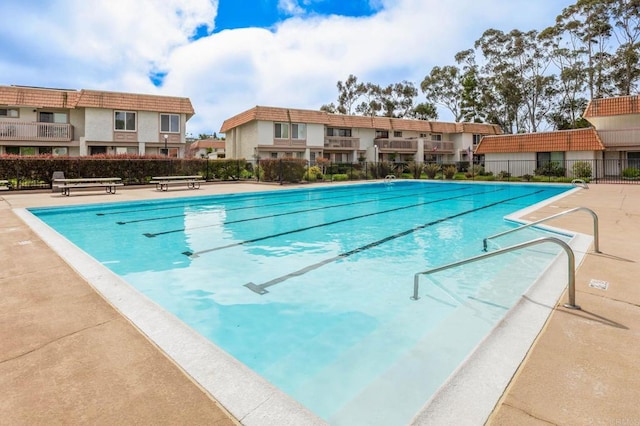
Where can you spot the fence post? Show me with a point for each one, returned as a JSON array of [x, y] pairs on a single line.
[[280, 171]]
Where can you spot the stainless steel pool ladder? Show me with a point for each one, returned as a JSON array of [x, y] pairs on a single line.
[[580, 182], [565, 246], [596, 238]]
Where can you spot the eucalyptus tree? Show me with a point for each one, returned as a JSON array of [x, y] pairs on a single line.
[[397, 99], [424, 111], [625, 16], [349, 93], [443, 87], [519, 67], [472, 102]]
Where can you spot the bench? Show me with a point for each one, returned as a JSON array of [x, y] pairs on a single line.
[[163, 182], [4, 185], [109, 184]]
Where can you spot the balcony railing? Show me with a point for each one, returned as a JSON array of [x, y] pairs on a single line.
[[626, 137], [24, 131], [290, 142], [396, 145], [341, 142], [438, 146]]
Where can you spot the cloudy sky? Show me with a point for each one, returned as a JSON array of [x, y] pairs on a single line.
[[230, 55]]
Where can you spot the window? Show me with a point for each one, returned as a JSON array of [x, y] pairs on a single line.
[[9, 113], [125, 120], [436, 136], [170, 123], [382, 134], [281, 130], [274, 155], [423, 135], [12, 150], [53, 117], [476, 139], [397, 134], [339, 132], [298, 131]]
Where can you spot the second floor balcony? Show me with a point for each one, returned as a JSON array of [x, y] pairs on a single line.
[[396, 145], [43, 132], [290, 142], [341, 142], [443, 147]]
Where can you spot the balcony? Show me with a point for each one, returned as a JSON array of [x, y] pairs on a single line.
[[620, 138], [396, 145], [341, 143], [301, 143], [442, 147], [42, 132]]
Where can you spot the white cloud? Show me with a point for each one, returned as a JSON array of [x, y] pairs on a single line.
[[114, 45]]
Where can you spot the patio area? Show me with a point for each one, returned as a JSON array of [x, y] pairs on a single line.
[[68, 356]]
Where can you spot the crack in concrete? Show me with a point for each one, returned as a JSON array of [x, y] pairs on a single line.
[[54, 340], [527, 413]]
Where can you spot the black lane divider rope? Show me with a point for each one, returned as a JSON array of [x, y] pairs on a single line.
[[261, 288], [239, 198], [230, 222], [270, 205], [321, 225]]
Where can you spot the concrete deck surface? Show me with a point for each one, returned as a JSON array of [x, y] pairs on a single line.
[[68, 357]]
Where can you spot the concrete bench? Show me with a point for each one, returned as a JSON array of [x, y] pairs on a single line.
[[163, 182], [109, 184]]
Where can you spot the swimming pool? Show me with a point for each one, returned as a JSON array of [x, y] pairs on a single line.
[[310, 288]]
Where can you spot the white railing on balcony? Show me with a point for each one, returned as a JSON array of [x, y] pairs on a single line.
[[341, 142], [624, 137], [24, 131], [438, 146], [290, 142], [407, 145]]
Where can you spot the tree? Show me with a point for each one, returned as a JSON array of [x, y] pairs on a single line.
[[443, 87], [348, 94], [424, 111], [626, 19]]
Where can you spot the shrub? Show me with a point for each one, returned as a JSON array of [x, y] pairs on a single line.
[[449, 171], [631, 173], [415, 169], [527, 177], [431, 170], [503, 175], [313, 174], [581, 169], [340, 177], [283, 169], [551, 168]]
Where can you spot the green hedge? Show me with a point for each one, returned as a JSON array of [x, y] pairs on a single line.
[[282, 169]]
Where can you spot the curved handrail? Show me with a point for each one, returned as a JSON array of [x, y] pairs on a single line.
[[565, 246], [596, 236], [580, 182]]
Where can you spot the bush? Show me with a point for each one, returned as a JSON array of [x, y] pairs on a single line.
[[581, 169], [449, 171], [551, 168], [415, 169], [283, 169], [631, 173], [313, 174], [431, 170], [340, 177], [503, 175]]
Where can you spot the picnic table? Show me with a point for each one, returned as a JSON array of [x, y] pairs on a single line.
[[163, 182], [109, 184]]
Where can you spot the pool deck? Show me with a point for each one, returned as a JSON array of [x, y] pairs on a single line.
[[68, 356]]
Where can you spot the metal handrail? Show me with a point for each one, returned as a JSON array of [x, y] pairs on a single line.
[[596, 238], [580, 182], [565, 246]]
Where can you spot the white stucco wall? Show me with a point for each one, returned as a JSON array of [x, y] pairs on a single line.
[[315, 136], [619, 122], [98, 124], [148, 126]]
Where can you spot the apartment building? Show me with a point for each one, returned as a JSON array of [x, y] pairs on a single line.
[[65, 122], [271, 132]]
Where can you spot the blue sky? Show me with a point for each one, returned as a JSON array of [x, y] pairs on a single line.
[[230, 55]]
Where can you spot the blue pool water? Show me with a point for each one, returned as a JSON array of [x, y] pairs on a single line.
[[311, 288]]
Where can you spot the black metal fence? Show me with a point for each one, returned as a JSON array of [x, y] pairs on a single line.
[[37, 173]]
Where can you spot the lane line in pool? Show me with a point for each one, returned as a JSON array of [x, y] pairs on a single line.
[[232, 198], [375, 200], [261, 288], [306, 228]]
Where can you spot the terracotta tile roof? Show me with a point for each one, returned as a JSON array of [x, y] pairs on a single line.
[[215, 144], [564, 140], [348, 121], [622, 105], [59, 98]]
